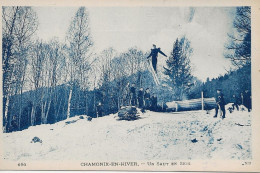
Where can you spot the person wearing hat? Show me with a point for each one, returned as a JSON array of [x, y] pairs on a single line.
[[220, 103], [147, 101], [132, 95], [247, 100], [14, 126], [154, 55], [154, 103]]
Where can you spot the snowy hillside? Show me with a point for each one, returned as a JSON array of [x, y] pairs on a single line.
[[156, 136]]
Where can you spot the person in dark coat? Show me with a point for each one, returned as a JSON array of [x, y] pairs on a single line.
[[235, 102], [99, 110], [154, 55], [140, 98], [126, 95], [147, 98], [220, 103], [13, 126], [154, 103], [133, 95], [247, 100]]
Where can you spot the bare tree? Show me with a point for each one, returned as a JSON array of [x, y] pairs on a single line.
[[117, 72], [19, 24], [80, 43], [105, 64], [135, 63], [36, 61], [239, 46], [53, 70]]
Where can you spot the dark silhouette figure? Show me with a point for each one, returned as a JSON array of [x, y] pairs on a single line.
[[133, 95], [154, 55], [140, 98], [154, 103], [147, 100], [13, 125], [247, 100], [235, 102], [126, 95], [220, 103]]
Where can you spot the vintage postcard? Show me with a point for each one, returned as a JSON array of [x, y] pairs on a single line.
[[161, 85]]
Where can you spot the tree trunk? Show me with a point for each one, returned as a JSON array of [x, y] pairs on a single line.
[[193, 104], [69, 100], [48, 108], [47, 113], [43, 116], [118, 102], [86, 97], [6, 113], [33, 116], [20, 109], [57, 112], [21, 96]]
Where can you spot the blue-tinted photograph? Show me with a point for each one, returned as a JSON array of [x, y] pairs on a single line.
[[126, 83]]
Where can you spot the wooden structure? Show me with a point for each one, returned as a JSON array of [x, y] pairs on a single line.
[[194, 104], [154, 74]]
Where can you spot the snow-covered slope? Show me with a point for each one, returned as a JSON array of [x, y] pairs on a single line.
[[156, 136]]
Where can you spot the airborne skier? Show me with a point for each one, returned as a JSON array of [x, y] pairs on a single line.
[[154, 55]]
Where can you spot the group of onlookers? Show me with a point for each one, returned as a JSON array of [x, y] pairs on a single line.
[[142, 99], [245, 99]]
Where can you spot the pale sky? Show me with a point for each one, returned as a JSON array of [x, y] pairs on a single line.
[[124, 27]]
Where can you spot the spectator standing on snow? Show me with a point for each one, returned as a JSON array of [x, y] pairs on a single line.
[[140, 98], [235, 102], [13, 125], [147, 98], [126, 95], [220, 103], [133, 95], [247, 100], [154, 103]]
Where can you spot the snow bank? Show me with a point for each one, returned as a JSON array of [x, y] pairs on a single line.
[[156, 136]]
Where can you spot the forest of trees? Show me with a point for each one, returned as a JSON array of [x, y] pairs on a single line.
[[238, 51], [46, 82], [40, 67], [19, 24]]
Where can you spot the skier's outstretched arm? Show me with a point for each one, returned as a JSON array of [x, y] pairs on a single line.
[[149, 55], [162, 53]]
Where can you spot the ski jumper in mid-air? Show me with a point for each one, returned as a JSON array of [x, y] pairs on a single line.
[[154, 55]]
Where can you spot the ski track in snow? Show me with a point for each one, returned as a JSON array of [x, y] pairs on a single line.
[[156, 136]]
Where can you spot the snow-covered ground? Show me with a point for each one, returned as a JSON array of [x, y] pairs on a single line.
[[156, 136]]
